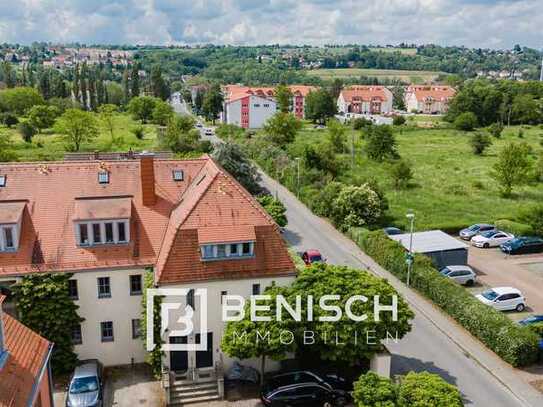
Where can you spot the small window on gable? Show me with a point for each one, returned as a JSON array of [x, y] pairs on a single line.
[[177, 175], [103, 177], [2, 181]]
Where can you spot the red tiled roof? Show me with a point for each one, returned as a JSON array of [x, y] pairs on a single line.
[[208, 198], [364, 93], [220, 234], [11, 212], [432, 92], [28, 354], [235, 92]]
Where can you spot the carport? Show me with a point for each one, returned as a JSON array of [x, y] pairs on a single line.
[[443, 249]]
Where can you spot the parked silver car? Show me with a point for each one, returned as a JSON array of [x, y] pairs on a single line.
[[86, 386], [461, 274], [475, 230]]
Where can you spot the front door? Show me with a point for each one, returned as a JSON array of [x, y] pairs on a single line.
[[179, 360], [204, 358]]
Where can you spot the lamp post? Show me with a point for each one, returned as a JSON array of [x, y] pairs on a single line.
[[411, 216], [298, 177]]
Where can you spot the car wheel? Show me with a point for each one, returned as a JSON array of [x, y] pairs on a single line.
[[327, 404], [486, 245], [520, 307], [341, 402], [470, 283]]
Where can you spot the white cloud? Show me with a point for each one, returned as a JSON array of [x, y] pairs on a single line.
[[478, 23]]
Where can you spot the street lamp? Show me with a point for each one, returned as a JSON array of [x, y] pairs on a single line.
[[298, 177], [411, 216]]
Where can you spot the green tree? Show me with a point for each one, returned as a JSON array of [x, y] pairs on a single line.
[[42, 116], [283, 96], [212, 103], [466, 121], [526, 109], [319, 106], [77, 126], [27, 131], [19, 100], [275, 209], [6, 148], [134, 81], [427, 390], [357, 206], [229, 132], [381, 143], [496, 129], [323, 205], [243, 339], [45, 307], [533, 216], [141, 107], [199, 101], [336, 135], [232, 158], [372, 390], [322, 156], [513, 166], [401, 173], [179, 137], [281, 128], [398, 120], [8, 74], [125, 87], [162, 113], [114, 93], [158, 84], [480, 142], [107, 114], [324, 279]]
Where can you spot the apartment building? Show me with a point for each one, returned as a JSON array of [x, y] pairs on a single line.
[[365, 100], [428, 99]]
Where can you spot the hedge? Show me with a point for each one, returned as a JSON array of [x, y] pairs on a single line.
[[514, 344], [515, 228]]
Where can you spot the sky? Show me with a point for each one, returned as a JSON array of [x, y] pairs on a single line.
[[473, 23]]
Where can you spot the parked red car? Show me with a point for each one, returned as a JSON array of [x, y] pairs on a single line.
[[312, 256]]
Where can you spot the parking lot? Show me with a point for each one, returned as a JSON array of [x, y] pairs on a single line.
[[524, 272]]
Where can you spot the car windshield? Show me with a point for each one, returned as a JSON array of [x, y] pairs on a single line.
[[490, 295], [84, 385], [474, 228], [488, 234], [315, 257], [445, 271]]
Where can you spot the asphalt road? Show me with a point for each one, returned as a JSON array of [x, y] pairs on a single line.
[[426, 347]]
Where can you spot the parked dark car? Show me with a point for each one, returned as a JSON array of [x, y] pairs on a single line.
[[523, 245], [304, 395], [86, 386], [533, 319], [391, 231]]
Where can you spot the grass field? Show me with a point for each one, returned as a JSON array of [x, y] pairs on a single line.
[[405, 51], [406, 76], [452, 187], [51, 146]]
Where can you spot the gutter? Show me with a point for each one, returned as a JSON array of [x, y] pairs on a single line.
[[36, 386]]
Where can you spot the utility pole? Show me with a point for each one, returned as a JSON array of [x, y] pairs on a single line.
[[410, 258], [298, 178], [352, 151]]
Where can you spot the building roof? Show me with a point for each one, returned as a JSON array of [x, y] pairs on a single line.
[[59, 193], [235, 92], [28, 353], [11, 212], [430, 241], [440, 93], [364, 93]]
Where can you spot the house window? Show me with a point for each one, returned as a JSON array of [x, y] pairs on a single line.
[[136, 330], [107, 331], [256, 289], [8, 238], [231, 250], [266, 105], [208, 251], [103, 177], [135, 285], [77, 338], [96, 233], [72, 289], [256, 105], [177, 175], [247, 249], [190, 298], [84, 234], [104, 288], [234, 250], [9, 243], [121, 232], [107, 232], [2, 181], [221, 250]]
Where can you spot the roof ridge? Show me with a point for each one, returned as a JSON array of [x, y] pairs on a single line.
[[83, 162]]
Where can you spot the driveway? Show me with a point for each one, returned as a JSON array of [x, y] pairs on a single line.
[[525, 272], [126, 387]]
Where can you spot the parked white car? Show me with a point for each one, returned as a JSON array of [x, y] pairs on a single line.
[[503, 299], [491, 239], [463, 275]]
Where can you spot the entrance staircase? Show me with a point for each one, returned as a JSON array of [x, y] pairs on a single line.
[[195, 386]]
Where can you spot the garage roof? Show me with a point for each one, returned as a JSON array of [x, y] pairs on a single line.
[[430, 241]]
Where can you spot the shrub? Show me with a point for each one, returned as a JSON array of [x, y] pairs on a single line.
[[324, 204], [381, 143], [480, 142], [533, 216], [8, 119], [361, 123], [138, 131], [27, 131], [398, 120], [496, 129], [466, 121], [401, 173], [427, 389], [275, 209], [372, 390], [356, 206], [515, 228], [514, 344]]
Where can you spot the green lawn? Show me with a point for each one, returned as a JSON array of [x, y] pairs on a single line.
[[452, 187], [346, 73], [404, 51], [50, 146]]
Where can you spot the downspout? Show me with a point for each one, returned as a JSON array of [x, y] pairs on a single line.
[[37, 382]]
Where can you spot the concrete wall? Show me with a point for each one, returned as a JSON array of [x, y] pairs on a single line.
[[260, 110], [214, 315]]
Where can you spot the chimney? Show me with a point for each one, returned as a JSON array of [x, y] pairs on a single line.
[[147, 178]]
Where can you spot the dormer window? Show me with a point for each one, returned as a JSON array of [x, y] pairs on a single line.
[[8, 238], [102, 232], [103, 177], [2, 181], [227, 251], [177, 175], [11, 215]]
